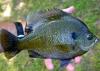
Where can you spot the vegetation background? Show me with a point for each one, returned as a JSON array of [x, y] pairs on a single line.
[[87, 10]]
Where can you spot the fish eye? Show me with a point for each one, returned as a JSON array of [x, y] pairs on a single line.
[[89, 36], [74, 36]]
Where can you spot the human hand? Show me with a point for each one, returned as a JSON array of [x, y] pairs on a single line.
[[69, 66]]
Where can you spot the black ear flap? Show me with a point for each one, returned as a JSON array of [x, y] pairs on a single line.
[[74, 35]]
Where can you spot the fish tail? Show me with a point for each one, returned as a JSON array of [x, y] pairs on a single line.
[[9, 42]]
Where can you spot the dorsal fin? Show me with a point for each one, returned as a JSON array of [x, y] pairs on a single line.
[[49, 14]]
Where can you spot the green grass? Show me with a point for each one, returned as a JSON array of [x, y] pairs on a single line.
[[87, 10]]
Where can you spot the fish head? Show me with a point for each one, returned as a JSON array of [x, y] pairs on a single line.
[[86, 40], [80, 33]]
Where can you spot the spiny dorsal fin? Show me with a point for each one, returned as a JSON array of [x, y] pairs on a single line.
[[49, 14]]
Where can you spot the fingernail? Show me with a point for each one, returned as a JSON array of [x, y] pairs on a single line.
[[71, 9], [49, 64]]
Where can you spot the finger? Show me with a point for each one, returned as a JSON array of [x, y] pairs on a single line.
[[70, 67], [70, 10], [77, 59], [48, 63]]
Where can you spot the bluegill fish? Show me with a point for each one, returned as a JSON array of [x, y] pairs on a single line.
[[53, 34]]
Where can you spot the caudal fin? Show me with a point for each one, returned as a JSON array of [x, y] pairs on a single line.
[[8, 42]]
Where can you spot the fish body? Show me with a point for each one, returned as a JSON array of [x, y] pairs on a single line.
[[55, 34]]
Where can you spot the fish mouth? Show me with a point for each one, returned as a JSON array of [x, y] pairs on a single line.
[[97, 40], [88, 47]]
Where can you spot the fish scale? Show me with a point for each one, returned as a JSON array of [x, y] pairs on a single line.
[[54, 34]]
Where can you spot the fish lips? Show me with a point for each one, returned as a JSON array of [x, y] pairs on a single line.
[[87, 48], [97, 40]]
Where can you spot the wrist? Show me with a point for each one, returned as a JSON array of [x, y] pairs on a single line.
[[24, 23]]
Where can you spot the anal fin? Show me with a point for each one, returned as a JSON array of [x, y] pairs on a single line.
[[33, 54]]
